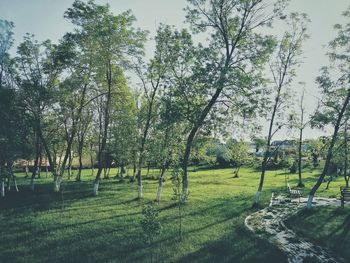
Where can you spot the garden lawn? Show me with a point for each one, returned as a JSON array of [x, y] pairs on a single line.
[[326, 226], [74, 226]]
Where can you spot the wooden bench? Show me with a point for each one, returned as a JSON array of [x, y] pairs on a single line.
[[344, 195], [294, 192]]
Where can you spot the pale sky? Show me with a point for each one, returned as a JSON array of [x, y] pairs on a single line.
[[44, 19]]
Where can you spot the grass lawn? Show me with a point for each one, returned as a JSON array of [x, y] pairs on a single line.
[[329, 227], [74, 226]]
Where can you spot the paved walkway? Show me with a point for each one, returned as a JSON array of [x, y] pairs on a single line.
[[268, 223]]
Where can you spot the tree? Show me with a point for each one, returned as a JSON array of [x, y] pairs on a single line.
[[346, 157], [302, 126], [167, 138], [14, 132], [155, 80], [75, 96], [237, 154], [113, 41], [299, 122], [151, 225], [123, 138], [282, 68], [334, 86], [234, 53], [37, 80], [83, 126]]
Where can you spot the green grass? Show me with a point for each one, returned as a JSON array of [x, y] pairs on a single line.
[[74, 226], [327, 226]]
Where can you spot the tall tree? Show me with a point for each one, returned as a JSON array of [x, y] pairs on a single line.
[[282, 68], [74, 93], [37, 80], [14, 132], [113, 40], [154, 81], [346, 157], [299, 122], [167, 137], [334, 85], [83, 126], [235, 51]]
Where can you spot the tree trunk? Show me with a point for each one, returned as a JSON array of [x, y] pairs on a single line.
[[70, 138], [134, 169], [81, 138], [27, 169], [80, 166], [35, 167], [144, 138], [105, 173], [262, 177], [300, 184], [102, 153], [236, 171], [40, 161], [2, 188], [346, 178], [92, 167], [268, 144], [15, 183], [160, 184], [329, 154], [2, 179], [329, 182], [96, 185], [70, 159], [8, 183], [52, 162], [122, 170], [195, 129]]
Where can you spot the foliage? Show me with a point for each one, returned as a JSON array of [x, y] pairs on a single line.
[[150, 223], [238, 153]]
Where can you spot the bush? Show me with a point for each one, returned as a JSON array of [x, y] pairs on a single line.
[[273, 165]]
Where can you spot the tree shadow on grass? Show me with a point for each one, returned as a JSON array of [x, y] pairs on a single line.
[[105, 234], [238, 246]]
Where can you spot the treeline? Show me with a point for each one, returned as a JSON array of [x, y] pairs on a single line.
[[74, 96]]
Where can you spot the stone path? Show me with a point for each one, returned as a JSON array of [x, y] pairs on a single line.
[[268, 223]]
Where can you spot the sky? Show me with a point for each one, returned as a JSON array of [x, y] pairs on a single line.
[[44, 19]]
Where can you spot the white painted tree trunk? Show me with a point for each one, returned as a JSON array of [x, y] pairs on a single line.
[[309, 201], [32, 186], [95, 190], [69, 172], [184, 195], [159, 192], [15, 182], [9, 184], [2, 188], [57, 185], [139, 192], [257, 197]]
